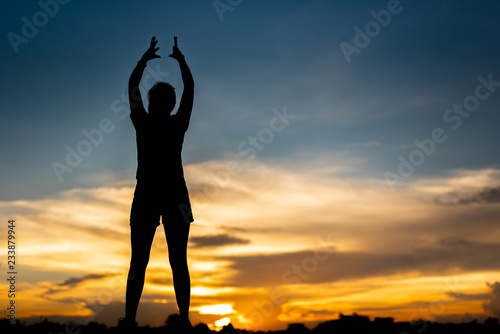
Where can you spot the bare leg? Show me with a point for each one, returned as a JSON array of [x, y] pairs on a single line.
[[141, 239], [177, 234]]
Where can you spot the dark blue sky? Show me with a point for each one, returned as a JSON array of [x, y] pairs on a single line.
[[261, 56]]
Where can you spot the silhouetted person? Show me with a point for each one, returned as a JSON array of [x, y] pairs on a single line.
[[161, 189]]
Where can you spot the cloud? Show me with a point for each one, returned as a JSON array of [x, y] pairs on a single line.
[[467, 296], [492, 305], [446, 256], [69, 300], [217, 240], [485, 196], [77, 280], [73, 282], [462, 187], [259, 229]]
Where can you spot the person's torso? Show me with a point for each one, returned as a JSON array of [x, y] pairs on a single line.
[[159, 147]]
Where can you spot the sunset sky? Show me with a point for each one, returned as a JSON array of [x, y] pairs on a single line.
[[342, 157]]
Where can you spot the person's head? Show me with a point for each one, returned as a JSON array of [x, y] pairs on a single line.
[[161, 99]]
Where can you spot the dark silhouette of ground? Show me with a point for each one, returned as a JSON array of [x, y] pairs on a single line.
[[346, 324]]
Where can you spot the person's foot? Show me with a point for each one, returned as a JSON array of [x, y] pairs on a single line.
[[125, 325]]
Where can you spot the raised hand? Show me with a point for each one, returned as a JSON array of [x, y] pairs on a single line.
[[176, 53], [151, 52]]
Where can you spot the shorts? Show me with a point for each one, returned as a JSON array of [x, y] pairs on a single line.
[[152, 201]]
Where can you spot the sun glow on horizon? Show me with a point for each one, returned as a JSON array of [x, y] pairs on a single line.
[[222, 322], [220, 309]]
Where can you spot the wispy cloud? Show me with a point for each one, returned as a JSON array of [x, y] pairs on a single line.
[[218, 240], [73, 281], [488, 195]]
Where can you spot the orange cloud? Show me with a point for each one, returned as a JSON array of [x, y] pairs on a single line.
[[279, 243]]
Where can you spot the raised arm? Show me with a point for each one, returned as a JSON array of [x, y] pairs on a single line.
[[134, 94], [186, 104]]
